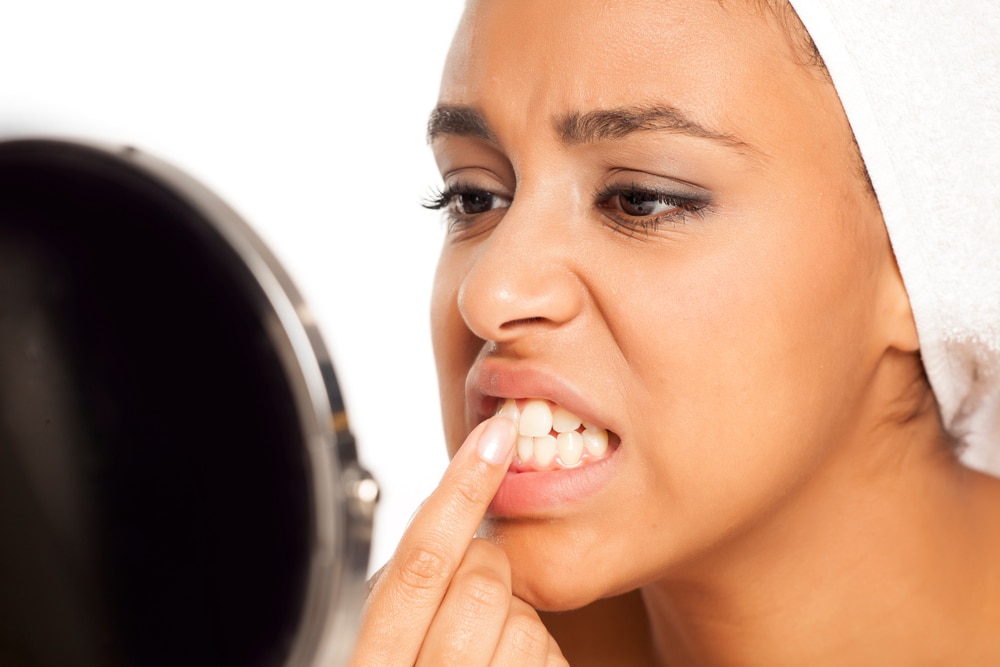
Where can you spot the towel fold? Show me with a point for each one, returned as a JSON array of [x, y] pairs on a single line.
[[919, 82]]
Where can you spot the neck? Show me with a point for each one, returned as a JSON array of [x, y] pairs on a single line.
[[860, 569]]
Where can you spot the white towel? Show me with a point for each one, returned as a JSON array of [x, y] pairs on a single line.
[[919, 82]]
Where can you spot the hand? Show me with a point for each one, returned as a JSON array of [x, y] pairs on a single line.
[[445, 597]]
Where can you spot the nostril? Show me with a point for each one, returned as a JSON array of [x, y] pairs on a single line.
[[513, 324], [506, 291]]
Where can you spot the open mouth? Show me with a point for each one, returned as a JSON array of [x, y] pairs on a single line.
[[553, 438]]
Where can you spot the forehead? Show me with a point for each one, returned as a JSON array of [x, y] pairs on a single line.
[[542, 59]]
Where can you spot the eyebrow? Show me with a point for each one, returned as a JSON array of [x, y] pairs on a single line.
[[460, 121], [618, 123], [581, 128]]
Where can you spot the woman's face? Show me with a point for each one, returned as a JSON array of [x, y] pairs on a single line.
[[657, 221]]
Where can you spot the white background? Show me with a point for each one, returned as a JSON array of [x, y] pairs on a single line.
[[308, 118]]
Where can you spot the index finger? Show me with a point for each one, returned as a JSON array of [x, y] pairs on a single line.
[[410, 588]]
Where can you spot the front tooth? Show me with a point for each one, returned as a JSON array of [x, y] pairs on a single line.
[[536, 419], [545, 449], [564, 421], [570, 447], [595, 440], [525, 447], [509, 408]]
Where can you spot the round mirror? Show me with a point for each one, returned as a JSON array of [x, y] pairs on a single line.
[[178, 482]]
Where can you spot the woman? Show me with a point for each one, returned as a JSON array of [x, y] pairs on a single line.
[[668, 269]]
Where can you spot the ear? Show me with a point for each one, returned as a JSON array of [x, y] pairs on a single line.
[[896, 313]]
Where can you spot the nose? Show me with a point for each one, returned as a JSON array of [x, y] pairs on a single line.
[[524, 279]]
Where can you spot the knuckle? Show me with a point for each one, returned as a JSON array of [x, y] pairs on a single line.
[[483, 591], [469, 493], [422, 568], [527, 635]]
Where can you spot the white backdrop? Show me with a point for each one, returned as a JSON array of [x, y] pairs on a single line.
[[308, 118]]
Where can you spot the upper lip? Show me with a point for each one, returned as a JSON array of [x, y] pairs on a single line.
[[491, 380]]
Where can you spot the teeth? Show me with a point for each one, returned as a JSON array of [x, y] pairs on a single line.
[[509, 408], [595, 440], [564, 421], [550, 436], [525, 447], [536, 419], [545, 449], [570, 447]]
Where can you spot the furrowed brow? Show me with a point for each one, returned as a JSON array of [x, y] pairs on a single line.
[[618, 123], [458, 120]]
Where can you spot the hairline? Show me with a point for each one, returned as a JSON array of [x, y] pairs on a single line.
[[799, 41]]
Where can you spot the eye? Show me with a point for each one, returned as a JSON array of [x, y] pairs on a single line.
[[640, 203], [472, 203], [463, 201], [636, 207]]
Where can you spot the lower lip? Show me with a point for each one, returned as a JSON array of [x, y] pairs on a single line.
[[536, 493]]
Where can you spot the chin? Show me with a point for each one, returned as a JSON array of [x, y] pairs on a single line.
[[558, 592], [553, 571]]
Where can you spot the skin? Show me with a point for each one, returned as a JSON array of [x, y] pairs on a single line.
[[790, 495]]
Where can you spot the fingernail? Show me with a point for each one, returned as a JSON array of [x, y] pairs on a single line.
[[497, 440]]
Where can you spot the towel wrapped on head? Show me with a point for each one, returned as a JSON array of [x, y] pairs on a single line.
[[918, 80]]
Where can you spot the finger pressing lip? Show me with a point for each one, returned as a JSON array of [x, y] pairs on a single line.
[[496, 441], [409, 590], [449, 518]]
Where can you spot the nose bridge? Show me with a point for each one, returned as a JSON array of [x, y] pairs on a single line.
[[523, 278]]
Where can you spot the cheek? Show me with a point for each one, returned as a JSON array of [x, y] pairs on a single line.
[[455, 348], [751, 358], [776, 296]]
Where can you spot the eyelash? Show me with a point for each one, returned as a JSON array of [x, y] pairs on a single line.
[[685, 205], [448, 199]]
